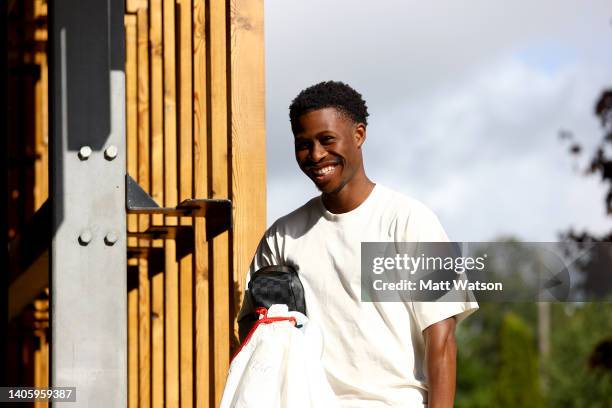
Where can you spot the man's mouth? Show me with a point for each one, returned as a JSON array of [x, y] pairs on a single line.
[[324, 173]]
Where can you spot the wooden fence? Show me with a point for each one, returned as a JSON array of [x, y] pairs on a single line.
[[195, 129]]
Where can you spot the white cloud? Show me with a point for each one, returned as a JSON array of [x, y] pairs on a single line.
[[486, 156], [469, 102]]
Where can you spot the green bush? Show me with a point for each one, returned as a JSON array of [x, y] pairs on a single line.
[[518, 380]]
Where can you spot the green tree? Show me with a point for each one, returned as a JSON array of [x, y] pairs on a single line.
[[574, 381], [518, 381]]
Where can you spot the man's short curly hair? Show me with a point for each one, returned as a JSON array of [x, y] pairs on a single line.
[[329, 94]]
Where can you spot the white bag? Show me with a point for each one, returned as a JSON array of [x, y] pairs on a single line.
[[279, 366]]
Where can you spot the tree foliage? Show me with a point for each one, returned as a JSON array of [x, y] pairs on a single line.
[[599, 162], [518, 381]]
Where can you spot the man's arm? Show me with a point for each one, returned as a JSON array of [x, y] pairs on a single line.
[[441, 360]]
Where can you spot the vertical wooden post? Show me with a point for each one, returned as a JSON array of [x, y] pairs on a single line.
[[144, 299], [133, 344], [131, 107], [41, 109], [171, 281], [220, 189], [157, 182], [131, 96], [248, 139], [200, 163], [185, 56]]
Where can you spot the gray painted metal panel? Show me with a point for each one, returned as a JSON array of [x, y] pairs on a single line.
[[88, 274]]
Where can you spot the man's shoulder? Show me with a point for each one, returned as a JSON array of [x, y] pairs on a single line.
[[404, 205], [413, 220], [297, 220]]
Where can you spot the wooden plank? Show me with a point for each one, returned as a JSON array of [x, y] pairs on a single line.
[[41, 115], [38, 373], [44, 114], [157, 105], [144, 334], [143, 175], [131, 114], [185, 50], [170, 200], [42, 371], [157, 341], [41, 355], [220, 189], [41, 191], [200, 148], [186, 331], [248, 139], [144, 300], [27, 181], [29, 285], [133, 348], [157, 192], [132, 6]]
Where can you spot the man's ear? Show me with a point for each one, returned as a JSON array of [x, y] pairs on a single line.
[[360, 134]]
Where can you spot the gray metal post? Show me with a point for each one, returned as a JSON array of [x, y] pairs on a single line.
[[87, 167]]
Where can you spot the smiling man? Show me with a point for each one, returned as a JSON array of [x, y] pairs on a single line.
[[376, 354]]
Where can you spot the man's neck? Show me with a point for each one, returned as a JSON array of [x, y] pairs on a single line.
[[349, 197]]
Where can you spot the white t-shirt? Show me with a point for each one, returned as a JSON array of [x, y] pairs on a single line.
[[373, 351]]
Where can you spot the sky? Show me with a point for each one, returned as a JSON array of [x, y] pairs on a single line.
[[466, 102]]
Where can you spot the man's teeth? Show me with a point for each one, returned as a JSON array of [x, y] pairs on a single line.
[[323, 171]]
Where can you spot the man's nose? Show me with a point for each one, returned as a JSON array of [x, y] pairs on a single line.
[[317, 152]]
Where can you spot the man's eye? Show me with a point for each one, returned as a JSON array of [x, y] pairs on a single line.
[[327, 139], [301, 145]]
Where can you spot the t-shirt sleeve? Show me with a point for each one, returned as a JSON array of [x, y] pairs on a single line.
[[266, 254], [423, 226]]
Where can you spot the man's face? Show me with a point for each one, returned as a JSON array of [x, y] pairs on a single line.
[[327, 148]]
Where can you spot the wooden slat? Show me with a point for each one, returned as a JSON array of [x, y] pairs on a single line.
[[220, 189], [200, 147], [170, 200], [144, 334], [29, 285], [131, 107], [42, 132], [157, 341], [41, 357], [157, 105], [131, 77], [27, 181], [144, 174], [157, 192], [41, 125], [133, 348], [132, 6], [248, 139], [144, 300], [185, 47]]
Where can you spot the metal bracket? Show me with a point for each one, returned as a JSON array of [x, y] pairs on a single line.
[[218, 212]]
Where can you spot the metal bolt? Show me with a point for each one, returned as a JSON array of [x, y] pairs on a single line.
[[110, 238], [85, 237], [84, 152], [111, 152]]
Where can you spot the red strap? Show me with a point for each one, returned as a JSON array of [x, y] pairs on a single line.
[[264, 320]]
